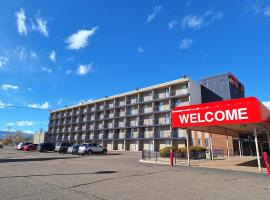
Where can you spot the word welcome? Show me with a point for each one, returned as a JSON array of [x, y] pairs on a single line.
[[215, 116]]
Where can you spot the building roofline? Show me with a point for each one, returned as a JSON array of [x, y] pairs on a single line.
[[181, 80]]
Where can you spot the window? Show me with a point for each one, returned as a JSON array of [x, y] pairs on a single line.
[[206, 142], [199, 142], [167, 119], [192, 142]]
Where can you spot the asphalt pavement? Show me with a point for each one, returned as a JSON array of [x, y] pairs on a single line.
[[119, 175]]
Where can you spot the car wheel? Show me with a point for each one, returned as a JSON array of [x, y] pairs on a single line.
[[89, 152]]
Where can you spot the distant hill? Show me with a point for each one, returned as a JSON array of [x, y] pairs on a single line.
[[4, 133]]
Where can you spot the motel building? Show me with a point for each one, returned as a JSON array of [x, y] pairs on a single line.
[[141, 119]]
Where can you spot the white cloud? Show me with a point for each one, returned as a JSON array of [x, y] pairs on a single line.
[[33, 54], [142, 49], [45, 69], [53, 56], [28, 131], [21, 19], [60, 101], [43, 106], [196, 22], [9, 87], [152, 16], [2, 104], [84, 69], [3, 61], [267, 11], [258, 7], [172, 24], [267, 104], [185, 43], [80, 39], [68, 71], [41, 26], [25, 123], [10, 124], [21, 53]]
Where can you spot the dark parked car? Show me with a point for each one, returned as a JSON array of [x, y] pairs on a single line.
[[44, 147], [62, 147]]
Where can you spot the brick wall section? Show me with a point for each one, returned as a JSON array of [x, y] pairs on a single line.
[[219, 141]]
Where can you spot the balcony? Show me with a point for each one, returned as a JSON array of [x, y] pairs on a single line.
[[121, 124], [134, 135], [163, 134], [78, 137], [92, 136], [149, 134], [132, 124], [146, 98], [148, 122], [111, 136], [111, 105], [147, 110], [162, 95], [163, 108], [122, 136], [71, 137], [179, 133], [100, 126], [133, 112], [100, 136], [180, 92]]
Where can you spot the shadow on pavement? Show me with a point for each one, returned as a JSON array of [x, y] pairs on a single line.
[[252, 163], [33, 159], [72, 174]]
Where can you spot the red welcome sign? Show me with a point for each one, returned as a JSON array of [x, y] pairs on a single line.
[[237, 111]]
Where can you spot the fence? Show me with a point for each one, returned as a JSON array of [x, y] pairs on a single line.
[[155, 156]]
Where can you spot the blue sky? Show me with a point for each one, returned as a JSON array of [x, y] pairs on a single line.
[[57, 53]]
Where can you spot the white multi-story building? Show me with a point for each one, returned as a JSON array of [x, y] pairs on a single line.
[[136, 120]]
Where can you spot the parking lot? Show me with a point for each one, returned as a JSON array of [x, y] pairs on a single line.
[[118, 175]]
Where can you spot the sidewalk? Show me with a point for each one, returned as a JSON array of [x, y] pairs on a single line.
[[243, 164]]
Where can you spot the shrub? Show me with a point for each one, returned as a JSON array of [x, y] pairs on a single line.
[[165, 152], [195, 149]]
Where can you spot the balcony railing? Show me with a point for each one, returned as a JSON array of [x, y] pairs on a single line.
[[163, 134], [149, 134]]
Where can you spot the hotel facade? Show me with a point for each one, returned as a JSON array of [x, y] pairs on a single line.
[[136, 120]]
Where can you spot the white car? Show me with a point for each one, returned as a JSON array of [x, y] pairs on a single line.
[[91, 148]]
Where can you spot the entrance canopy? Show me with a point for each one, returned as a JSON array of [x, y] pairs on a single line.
[[244, 115], [241, 115]]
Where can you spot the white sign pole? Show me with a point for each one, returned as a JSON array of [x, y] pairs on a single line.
[[257, 150]]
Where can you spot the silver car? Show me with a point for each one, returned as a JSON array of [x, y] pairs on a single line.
[[73, 149], [91, 148]]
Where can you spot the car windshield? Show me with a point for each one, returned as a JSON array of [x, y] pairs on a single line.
[[83, 145]]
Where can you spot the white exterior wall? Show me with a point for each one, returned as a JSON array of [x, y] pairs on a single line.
[[110, 145], [120, 145], [39, 138], [134, 145], [148, 145]]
